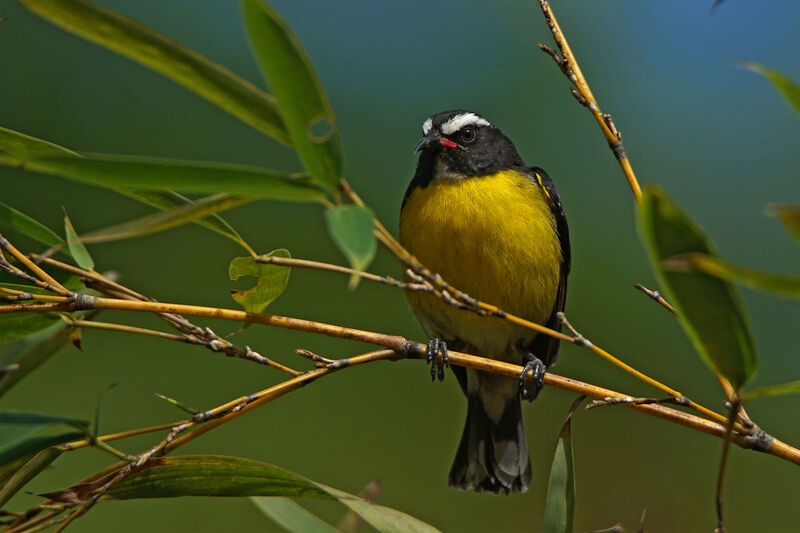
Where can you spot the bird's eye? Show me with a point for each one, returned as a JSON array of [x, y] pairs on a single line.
[[468, 135]]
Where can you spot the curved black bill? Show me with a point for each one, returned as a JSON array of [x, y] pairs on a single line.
[[431, 139]]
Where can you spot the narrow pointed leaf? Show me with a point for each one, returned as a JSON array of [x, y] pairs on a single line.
[[24, 146], [788, 88], [352, 229], [710, 309], [186, 67], [207, 475], [29, 353], [781, 284], [559, 505], [272, 281], [793, 387], [169, 174], [14, 475], [789, 215], [76, 247], [170, 218], [18, 431], [18, 220], [14, 326], [292, 516], [302, 102]]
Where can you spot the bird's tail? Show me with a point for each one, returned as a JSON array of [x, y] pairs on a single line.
[[492, 456]]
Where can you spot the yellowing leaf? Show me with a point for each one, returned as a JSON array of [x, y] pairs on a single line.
[[272, 280]]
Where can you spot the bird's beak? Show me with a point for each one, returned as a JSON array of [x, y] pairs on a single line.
[[430, 140], [434, 139]]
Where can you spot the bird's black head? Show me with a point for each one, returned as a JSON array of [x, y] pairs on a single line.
[[459, 143]]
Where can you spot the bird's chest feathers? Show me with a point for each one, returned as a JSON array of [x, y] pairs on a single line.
[[492, 236]]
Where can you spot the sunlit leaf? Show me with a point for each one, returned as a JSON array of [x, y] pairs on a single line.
[[709, 309], [559, 506], [292, 516], [351, 227], [14, 475], [153, 50], [789, 215], [170, 218], [76, 247], [272, 281], [28, 226], [177, 175], [301, 99], [782, 284], [788, 88], [793, 387]]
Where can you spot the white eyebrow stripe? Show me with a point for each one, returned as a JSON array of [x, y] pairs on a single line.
[[464, 119], [426, 126]]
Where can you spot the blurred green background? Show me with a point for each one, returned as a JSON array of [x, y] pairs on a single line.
[[719, 139]]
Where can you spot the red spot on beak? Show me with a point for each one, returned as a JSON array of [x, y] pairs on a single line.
[[447, 143]]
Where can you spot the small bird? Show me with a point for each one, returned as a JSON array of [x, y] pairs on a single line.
[[494, 228]]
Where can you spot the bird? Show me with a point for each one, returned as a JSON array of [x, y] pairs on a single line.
[[492, 227]]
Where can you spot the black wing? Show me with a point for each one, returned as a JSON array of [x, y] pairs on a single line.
[[543, 346]]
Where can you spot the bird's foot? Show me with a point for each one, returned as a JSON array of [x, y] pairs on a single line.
[[437, 358], [530, 391]]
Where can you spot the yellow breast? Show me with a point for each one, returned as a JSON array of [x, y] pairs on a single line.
[[493, 237]]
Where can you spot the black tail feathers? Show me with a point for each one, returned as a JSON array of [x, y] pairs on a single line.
[[492, 457]]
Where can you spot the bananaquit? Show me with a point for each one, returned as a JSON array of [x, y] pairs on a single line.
[[494, 228]]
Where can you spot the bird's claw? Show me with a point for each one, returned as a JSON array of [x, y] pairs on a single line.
[[529, 391], [437, 358]]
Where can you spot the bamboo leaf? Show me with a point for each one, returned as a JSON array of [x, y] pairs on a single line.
[[709, 309], [35, 230], [785, 86], [17, 430], [351, 227], [789, 215], [302, 103], [29, 353], [793, 387], [24, 146], [14, 326], [184, 66], [14, 475], [170, 218], [76, 247], [559, 506], [292, 516], [272, 281], [169, 174], [208, 475], [781, 284]]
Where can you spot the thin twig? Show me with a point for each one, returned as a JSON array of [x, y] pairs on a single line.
[[655, 295], [734, 411]]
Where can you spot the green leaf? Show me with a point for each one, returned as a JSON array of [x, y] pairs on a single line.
[[559, 506], [14, 475], [351, 227], [76, 247], [793, 387], [17, 432], [301, 99], [24, 146], [14, 326], [784, 285], [28, 226], [272, 281], [292, 516], [788, 89], [209, 475], [186, 67], [163, 220], [789, 215], [170, 174], [27, 354], [384, 519], [709, 309]]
